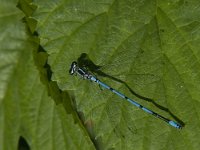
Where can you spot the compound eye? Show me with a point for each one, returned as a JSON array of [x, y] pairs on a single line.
[[73, 68]]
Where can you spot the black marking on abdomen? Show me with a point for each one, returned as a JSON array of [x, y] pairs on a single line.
[[159, 116], [81, 72]]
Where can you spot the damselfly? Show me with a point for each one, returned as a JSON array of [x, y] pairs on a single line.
[[75, 69]]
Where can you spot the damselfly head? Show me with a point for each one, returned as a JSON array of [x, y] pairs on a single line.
[[73, 68]]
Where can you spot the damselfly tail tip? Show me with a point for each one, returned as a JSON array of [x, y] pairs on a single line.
[[174, 124], [73, 67]]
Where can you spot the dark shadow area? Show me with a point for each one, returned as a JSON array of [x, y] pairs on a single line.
[[85, 62], [22, 144]]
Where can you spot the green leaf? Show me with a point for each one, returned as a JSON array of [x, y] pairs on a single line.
[[11, 44], [148, 50]]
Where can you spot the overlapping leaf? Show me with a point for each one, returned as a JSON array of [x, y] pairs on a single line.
[[150, 45]]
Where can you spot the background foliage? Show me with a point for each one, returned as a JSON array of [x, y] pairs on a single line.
[[148, 49]]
